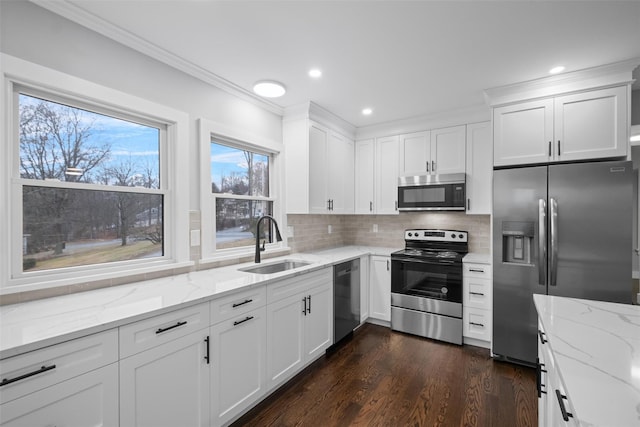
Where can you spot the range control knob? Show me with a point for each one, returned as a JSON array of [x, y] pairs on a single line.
[[453, 236], [460, 236], [410, 234]]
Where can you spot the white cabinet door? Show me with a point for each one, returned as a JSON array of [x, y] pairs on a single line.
[[238, 363], [523, 133], [318, 321], [88, 400], [364, 288], [479, 168], [340, 175], [415, 153], [318, 140], [167, 385], [591, 125], [387, 175], [364, 176], [380, 290], [285, 333], [448, 150]]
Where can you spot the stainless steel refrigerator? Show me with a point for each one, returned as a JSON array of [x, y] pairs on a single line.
[[562, 230]]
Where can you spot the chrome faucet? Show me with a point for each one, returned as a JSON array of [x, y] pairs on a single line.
[[278, 236]]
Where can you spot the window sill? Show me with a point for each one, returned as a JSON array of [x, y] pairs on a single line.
[[62, 286]]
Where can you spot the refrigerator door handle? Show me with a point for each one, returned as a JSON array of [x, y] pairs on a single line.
[[542, 242], [553, 213]]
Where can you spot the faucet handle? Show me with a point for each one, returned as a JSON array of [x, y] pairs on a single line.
[[263, 242]]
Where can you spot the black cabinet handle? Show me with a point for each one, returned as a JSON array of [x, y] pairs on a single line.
[[541, 334], [370, 206], [246, 319], [558, 155], [7, 381], [476, 293], [304, 310], [565, 414], [468, 204], [476, 270], [549, 148], [238, 304], [476, 324], [161, 330], [539, 372], [206, 357]]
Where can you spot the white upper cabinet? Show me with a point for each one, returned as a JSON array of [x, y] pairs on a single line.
[[591, 124], [319, 169], [479, 168], [364, 176], [448, 150], [387, 175], [415, 153], [522, 133], [433, 152]]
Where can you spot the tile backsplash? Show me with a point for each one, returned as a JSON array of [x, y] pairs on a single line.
[[311, 232]]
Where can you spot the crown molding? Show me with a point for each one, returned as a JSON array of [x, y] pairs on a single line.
[[82, 17], [312, 111], [615, 74], [475, 114]]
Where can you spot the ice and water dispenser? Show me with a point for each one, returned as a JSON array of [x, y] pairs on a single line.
[[517, 242]]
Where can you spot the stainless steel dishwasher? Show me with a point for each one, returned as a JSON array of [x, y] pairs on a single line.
[[346, 298]]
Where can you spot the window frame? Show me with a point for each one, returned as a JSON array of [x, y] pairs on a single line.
[[211, 131], [19, 76]]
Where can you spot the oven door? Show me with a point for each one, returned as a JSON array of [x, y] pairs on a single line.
[[439, 280]]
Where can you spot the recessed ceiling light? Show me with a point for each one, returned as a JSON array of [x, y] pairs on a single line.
[[556, 70], [269, 89], [315, 73], [367, 111]]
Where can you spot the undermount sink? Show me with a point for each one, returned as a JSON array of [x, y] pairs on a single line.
[[275, 267]]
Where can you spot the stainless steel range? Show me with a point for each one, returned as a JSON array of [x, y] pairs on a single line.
[[426, 284]]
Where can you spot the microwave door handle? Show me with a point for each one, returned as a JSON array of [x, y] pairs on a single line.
[[542, 242], [553, 214]]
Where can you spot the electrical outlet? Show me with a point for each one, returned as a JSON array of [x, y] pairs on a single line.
[[329, 229], [375, 228]]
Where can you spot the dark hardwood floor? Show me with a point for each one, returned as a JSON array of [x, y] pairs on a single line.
[[385, 378]]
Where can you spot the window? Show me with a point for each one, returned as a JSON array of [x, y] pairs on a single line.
[[90, 183], [240, 184]]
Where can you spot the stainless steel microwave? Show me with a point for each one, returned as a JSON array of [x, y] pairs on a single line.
[[444, 192]]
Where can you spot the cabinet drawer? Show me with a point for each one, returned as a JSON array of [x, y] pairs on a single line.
[[42, 368], [293, 285], [234, 305], [481, 271], [148, 333], [477, 293], [477, 323]]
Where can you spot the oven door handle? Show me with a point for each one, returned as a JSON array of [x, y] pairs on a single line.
[[422, 261]]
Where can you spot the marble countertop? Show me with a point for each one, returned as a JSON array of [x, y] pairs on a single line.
[[596, 347], [31, 325], [477, 258]]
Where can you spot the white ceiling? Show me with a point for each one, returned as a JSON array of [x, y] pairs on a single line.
[[401, 58]]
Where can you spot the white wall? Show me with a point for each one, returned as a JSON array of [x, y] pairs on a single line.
[[34, 34]]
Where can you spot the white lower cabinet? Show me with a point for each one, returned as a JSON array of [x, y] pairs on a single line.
[[238, 364], [477, 304], [167, 385], [74, 383], [554, 404], [299, 323], [90, 399], [380, 288]]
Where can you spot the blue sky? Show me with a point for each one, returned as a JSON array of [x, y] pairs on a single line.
[[128, 140]]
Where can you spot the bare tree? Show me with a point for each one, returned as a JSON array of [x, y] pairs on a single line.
[[125, 174]]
